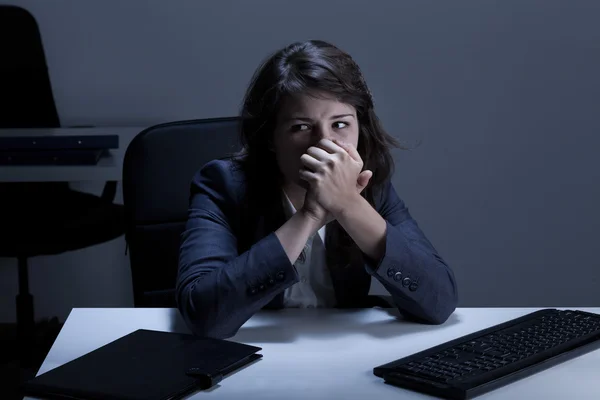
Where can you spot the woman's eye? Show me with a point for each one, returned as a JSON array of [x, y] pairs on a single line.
[[340, 125], [300, 127]]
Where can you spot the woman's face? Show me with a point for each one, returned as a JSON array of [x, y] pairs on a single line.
[[302, 122]]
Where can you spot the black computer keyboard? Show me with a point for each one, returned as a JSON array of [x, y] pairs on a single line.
[[485, 360]]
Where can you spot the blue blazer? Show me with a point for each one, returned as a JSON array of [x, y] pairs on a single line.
[[231, 263]]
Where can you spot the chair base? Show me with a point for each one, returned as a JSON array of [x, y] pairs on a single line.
[[33, 340], [25, 326]]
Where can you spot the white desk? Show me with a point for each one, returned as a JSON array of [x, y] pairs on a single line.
[[327, 354], [108, 168]]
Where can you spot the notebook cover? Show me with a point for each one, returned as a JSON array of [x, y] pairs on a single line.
[[146, 364], [23, 141]]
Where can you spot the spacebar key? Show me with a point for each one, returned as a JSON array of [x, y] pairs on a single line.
[[399, 378], [418, 372]]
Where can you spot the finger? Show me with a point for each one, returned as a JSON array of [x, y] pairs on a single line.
[[330, 146], [310, 162], [318, 153], [350, 149], [363, 179], [308, 176]]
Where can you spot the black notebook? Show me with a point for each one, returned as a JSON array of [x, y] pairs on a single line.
[[146, 364]]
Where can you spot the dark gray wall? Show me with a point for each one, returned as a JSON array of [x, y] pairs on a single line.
[[504, 96]]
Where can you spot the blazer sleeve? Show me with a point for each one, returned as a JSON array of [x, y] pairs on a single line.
[[421, 283], [218, 289]]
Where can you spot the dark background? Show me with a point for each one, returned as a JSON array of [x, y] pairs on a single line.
[[504, 96]]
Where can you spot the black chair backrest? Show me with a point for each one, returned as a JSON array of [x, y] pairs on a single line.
[[26, 99], [157, 171]]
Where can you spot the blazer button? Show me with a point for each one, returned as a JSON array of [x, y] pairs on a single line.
[[406, 282], [280, 276], [391, 272], [413, 286], [252, 290], [261, 287], [271, 282], [398, 276]]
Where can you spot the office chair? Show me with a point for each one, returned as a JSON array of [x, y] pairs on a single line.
[[40, 218], [157, 170]]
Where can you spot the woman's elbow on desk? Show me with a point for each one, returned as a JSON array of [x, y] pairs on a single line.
[[445, 307], [201, 314], [446, 300], [433, 301], [434, 312], [442, 298]]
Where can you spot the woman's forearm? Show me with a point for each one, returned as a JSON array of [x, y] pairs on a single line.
[[294, 234], [365, 226]]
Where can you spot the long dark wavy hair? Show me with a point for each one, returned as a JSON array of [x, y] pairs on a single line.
[[305, 67]]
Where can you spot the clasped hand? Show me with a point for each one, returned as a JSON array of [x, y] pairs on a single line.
[[333, 171]]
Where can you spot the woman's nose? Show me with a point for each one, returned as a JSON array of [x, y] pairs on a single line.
[[321, 132]]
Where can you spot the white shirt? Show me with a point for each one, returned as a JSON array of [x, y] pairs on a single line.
[[315, 288]]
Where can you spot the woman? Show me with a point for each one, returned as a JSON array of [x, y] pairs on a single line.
[[305, 215]]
